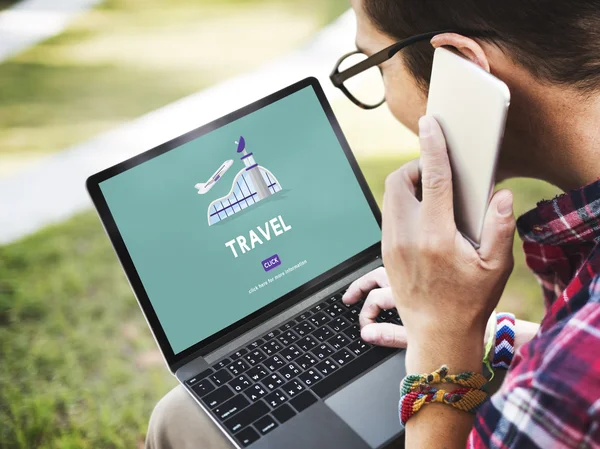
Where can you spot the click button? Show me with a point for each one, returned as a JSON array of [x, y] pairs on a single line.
[[271, 262]]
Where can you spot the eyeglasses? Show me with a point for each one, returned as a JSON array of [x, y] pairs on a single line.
[[367, 90]]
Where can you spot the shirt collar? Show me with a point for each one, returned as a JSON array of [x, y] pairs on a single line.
[[572, 217]]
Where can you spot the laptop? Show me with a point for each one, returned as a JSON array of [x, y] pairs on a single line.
[[239, 239]]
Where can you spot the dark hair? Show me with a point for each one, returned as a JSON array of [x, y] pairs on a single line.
[[556, 40]]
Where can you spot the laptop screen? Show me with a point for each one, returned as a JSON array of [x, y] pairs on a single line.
[[227, 223]]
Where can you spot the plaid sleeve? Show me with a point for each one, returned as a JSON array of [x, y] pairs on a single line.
[[550, 396]]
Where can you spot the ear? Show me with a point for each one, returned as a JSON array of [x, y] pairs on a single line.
[[465, 45]]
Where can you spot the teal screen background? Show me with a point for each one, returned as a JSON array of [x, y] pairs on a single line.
[[194, 283]]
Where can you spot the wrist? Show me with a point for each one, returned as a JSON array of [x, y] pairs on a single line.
[[459, 351]]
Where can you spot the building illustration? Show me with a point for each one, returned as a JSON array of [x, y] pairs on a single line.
[[250, 185]]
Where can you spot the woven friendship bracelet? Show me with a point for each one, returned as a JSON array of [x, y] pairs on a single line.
[[504, 349], [465, 399], [413, 382]]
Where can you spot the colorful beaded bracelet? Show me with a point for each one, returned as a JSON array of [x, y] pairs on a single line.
[[465, 399], [413, 382], [504, 349]]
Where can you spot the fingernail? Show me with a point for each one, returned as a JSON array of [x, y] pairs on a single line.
[[424, 126], [505, 206], [368, 333]]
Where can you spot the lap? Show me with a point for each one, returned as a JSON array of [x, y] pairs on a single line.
[[177, 422]]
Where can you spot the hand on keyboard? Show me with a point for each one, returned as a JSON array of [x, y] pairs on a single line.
[[379, 321]]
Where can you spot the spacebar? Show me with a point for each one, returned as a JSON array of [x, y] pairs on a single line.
[[351, 370]]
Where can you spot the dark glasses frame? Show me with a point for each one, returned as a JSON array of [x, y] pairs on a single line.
[[338, 78]]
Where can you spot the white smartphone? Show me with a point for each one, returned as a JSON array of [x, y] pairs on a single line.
[[471, 106]]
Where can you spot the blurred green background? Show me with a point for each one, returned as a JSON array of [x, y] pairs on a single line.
[[78, 366]]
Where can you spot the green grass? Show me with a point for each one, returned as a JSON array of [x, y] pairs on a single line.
[[126, 58], [79, 366]]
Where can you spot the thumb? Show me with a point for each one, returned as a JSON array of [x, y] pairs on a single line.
[[498, 229], [384, 334]]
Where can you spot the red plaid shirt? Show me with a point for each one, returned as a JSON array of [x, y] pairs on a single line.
[[550, 397]]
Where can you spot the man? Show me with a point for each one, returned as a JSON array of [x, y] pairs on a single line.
[[548, 53]]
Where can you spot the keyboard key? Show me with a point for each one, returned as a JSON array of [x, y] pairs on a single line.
[[310, 377], [276, 398], [307, 343], [304, 328], [306, 361], [293, 388], [359, 347], [221, 377], [318, 308], [331, 300], [335, 310], [339, 324], [240, 383], [238, 367], [289, 371], [231, 407], [271, 335], [303, 401], [287, 326], [218, 396], [323, 333], [203, 387], [265, 424], [257, 373], [283, 413], [200, 376], [222, 364], [347, 306], [274, 363], [345, 374], [255, 392], [238, 354], [342, 357], [326, 367], [322, 351], [290, 353], [273, 381], [287, 338], [247, 436], [319, 319], [246, 416], [255, 357], [304, 316], [352, 315], [271, 347], [353, 332], [256, 344], [338, 342]]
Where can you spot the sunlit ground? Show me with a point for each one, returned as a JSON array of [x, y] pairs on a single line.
[[128, 57]]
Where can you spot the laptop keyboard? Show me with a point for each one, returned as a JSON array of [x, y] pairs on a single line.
[[256, 389]]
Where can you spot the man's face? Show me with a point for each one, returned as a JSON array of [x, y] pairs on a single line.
[[404, 97]]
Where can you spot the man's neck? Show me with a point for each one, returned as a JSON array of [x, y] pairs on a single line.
[[555, 134]]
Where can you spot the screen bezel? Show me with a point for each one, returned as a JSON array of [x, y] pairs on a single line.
[[236, 329]]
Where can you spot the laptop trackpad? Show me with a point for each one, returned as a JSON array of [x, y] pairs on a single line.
[[369, 405]]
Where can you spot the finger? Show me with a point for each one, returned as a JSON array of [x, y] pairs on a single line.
[[401, 188], [436, 176], [384, 334], [377, 300], [401, 204], [363, 285], [498, 229]]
